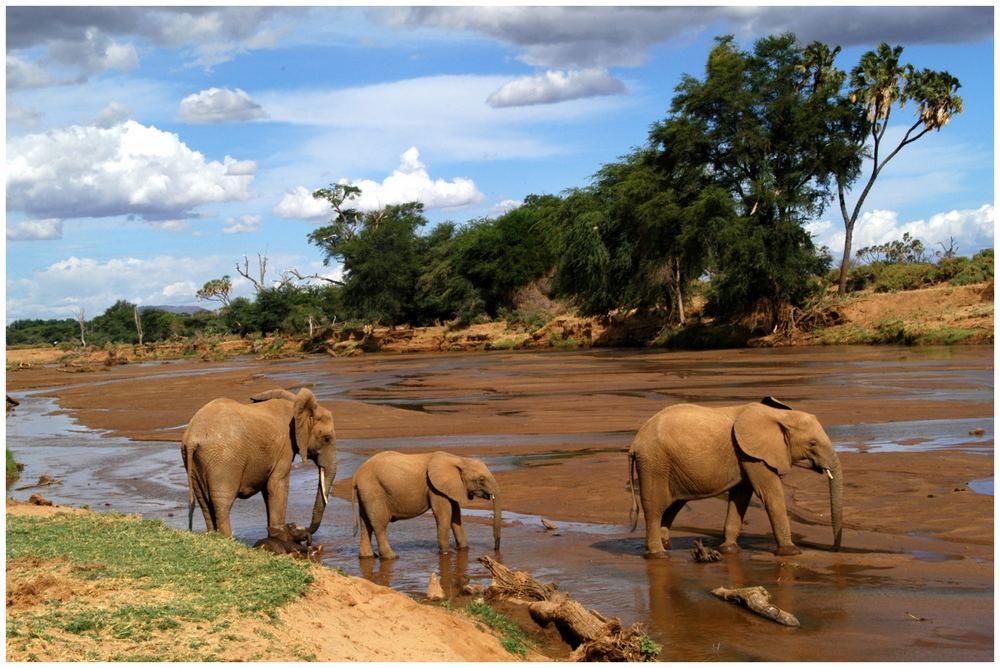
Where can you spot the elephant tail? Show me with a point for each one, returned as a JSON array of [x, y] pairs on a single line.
[[633, 514], [189, 465], [354, 498]]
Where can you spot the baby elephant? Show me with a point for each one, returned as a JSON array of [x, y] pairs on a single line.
[[288, 539], [393, 486]]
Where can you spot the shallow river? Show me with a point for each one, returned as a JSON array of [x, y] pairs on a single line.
[[606, 572]]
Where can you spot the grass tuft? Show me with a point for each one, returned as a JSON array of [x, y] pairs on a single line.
[[512, 638]]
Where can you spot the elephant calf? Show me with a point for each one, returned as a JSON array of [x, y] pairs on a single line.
[[288, 539], [688, 452], [394, 486]]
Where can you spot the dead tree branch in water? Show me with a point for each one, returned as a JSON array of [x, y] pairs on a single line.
[[592, 636], [758, 600]]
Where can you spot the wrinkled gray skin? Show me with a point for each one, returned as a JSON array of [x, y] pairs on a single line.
[[233, 450], [392, 486], [688, 452]]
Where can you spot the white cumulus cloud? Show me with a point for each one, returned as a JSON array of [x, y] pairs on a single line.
[[113, 114], [86, 171], [409, 182], [555, 86], [220, 105], [244, 225], [299, 203], [971, 230], [35, 230]]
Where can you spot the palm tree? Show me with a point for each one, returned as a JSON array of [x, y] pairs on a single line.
[[877, 84]]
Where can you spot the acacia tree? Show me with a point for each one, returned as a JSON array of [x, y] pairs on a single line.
[[878, 83], [217, 290]]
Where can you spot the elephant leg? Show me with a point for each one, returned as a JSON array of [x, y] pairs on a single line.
[[739, 500], [379, 517], [767, 485], [276, 500], [441, 507], [654, 495], [365, 548], [205, 503], [461, 541], [222, 509], [668, 519]]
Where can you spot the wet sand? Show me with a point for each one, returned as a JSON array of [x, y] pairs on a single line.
[[914, 580]]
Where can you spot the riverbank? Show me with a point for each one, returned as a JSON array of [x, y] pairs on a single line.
[[83, 586], [940, 315]]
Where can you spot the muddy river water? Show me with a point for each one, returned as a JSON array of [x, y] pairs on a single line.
[[914, 429]]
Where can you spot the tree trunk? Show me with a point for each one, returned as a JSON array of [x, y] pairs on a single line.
[[138, 322], [845, 262]]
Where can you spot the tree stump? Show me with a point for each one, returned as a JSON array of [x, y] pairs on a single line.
[[758, 600], [592, 636], [434, 590]]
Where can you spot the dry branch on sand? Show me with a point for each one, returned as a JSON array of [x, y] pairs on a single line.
[[592, 636], [704, 554], [758, 600]]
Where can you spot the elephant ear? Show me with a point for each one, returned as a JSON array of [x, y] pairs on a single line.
[[305, 407], [444, 471], [759, 432]]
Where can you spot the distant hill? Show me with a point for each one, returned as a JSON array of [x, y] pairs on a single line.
[[179, 310]]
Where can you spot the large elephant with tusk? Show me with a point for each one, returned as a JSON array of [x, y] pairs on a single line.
[[688, 452], [233, 450], [392, 486]]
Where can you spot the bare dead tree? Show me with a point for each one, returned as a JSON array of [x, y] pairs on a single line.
[[82, 319], [297, 274], [138, 322], [259, 283]]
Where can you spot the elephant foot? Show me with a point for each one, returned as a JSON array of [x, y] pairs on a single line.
[[388, 555], [787, 551], [366, 556], [729, 548], [662, 554]]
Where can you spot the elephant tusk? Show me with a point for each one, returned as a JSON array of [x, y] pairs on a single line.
[[829, 473], [322, 485]]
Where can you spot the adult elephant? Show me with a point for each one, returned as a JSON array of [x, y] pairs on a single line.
[[233, 450], [392, 486], [688, 452]]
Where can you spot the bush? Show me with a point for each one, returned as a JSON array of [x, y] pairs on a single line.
[[977, 270]]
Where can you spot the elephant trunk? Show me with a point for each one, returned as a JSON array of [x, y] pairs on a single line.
[[836, 500], [496, 521], [327, 464]]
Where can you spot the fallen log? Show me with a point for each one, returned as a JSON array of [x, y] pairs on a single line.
[[704, 554], [591, 636], [758, 600]]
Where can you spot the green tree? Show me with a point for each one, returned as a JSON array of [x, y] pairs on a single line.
[[441, 292], [115, 325], [878, 83], [381, 261], [760, 127], [501, 255]]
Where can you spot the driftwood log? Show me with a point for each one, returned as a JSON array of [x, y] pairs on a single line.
[[704, 555], [758, 600], [592, 636]]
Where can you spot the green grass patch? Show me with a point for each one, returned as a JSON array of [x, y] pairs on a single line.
[[157, 578], [512, 638], [13, 470]]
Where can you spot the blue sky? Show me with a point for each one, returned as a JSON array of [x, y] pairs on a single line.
[[149, 150]]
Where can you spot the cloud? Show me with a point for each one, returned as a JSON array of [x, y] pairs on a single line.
[[85, 171], [35, 230], [584, 37], [300, 204], [61, 288], [505, 206], [409, 182], [555, 86], [168, 225], [220, 105], [83, 38], [113, 114], [25, 74], [22, 116], [971, 229], [244, 225]]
